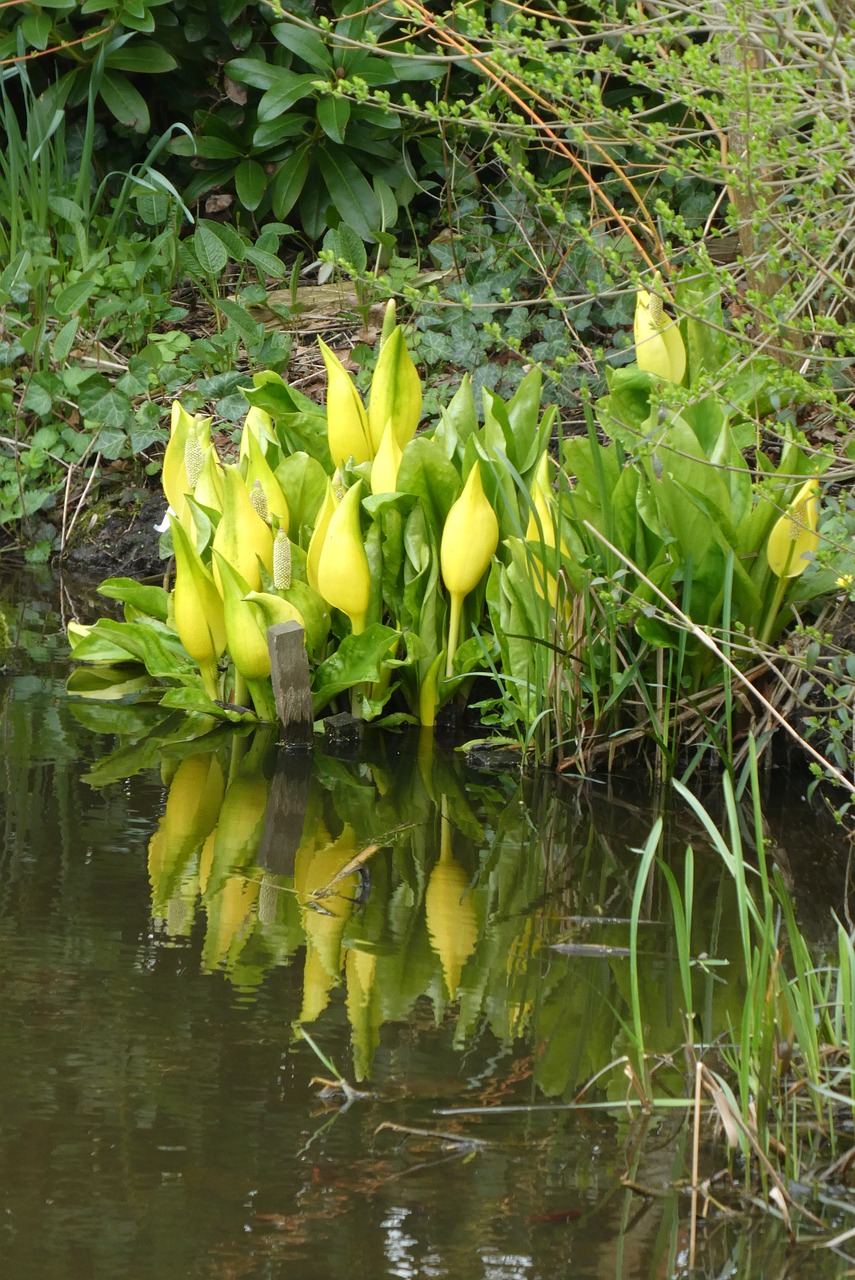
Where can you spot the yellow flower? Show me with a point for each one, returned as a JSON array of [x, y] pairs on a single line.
[[174, 472], [794, 536], [242, 537], [396, 393], [658, 345], [384, 468], [348, 435], [259, 469], [540, 523], [257, 425], [344, 579], [198, 608], [316, 542], [469, 541]]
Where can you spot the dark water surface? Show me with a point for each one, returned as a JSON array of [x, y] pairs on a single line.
[[160, 945]]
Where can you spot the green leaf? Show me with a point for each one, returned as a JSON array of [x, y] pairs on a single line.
[[36, 29], [64, 340], [210, 251], [427, 474], [125, 102], [250, 183], [150, 600], [304, 483], [240, 320], [67, 210], [349, 191], [306, 45], [274, 132], [267, 263], [72, 297], [141, 57], [232, 240], [253, 71], [289, 88], [289, 182], [104, 406], [358, 659], [333, 114]]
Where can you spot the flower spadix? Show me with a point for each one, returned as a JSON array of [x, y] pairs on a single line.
[[344, 579], [396, 393], [174, 474], [469, 541], [794, 536], [197, 608], [659, 347], [348, 435], [258, 468]]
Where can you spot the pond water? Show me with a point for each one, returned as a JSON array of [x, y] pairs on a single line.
[[200, 936]]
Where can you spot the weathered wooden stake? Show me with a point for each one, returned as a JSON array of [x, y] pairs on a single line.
[[286, 813], [289, 672]]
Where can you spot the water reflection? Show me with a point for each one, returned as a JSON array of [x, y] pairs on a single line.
[[169, 909]]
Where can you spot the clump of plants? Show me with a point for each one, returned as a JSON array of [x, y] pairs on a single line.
[[588, 586]]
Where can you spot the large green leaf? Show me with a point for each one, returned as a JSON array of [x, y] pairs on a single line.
[[358, 659], [250, 183], [349, 190], [305, 44], [427, 474], [304, 483], [125, 102], [289, 181], [147, 599], [281, 96]]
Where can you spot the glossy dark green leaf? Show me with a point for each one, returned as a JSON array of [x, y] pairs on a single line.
[[333, 114], [289, 181], [250, 183], [349, 191], [306, 45], [125, 102], [147, 598]]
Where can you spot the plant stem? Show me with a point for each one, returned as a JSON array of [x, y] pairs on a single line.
[[453, 632]]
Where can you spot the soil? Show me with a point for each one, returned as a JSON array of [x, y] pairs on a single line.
[[123, 541]]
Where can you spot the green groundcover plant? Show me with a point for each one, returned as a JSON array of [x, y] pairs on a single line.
[[416, 560]]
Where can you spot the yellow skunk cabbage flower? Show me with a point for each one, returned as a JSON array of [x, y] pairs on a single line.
[[258, 469], [347, 422], [242, 537], [794, 536], [174, 473], [344, 579], [209, 487], [258, 426], [541, 497], [245, 633], [469, 541], [198, 608], [450, 912], [384, 468], [659, 347], [396, 393], [316, 542], [273, 609]]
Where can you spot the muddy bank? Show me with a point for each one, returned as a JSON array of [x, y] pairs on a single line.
[[122, 541]]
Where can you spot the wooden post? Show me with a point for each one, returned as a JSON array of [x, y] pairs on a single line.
[[289, 672], [286, 813]]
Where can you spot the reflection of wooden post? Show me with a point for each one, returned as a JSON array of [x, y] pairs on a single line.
[[289, 671], [286, 813]]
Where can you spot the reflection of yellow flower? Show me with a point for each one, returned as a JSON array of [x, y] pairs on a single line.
[[794, 537], [450, 912]]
